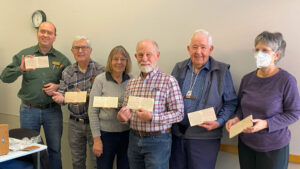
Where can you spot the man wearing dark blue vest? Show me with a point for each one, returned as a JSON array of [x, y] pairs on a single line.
[[204, 83]]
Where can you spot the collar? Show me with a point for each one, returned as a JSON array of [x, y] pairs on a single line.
[[110, 78], [151, 74], [50, 53], [206, 65], [76, 67]]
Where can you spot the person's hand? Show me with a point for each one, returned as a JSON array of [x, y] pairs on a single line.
[[209, 125], [231, 122], [50, 88], [22, 66], [98, 146], [258, 125], [58, 97], [144, 115], [124, 114]]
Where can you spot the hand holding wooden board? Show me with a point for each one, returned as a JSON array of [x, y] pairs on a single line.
[[198, 117], [240, 126]]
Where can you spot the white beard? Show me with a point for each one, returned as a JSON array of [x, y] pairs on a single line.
[[145, 69]]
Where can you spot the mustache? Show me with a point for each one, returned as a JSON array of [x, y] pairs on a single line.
[[144, 63]]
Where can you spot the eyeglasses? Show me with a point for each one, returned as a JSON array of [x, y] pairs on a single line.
[[141, 55], [84, 48], [121, 59]]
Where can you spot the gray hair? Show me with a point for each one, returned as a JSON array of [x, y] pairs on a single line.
[[202, 31], [273, 40], [79, 37], [152, 41]]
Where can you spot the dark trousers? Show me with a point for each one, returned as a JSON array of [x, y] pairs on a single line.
[[194, 153], [114, 144], [251, 159]]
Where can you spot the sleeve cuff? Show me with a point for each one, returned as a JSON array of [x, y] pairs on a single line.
[[155, 118], [221, 122], [19, 70], [125, 122], [96, 135], [270, 127]]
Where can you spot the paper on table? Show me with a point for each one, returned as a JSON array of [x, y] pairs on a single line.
[[198, 117], [75, 97], [140, 102], [24, 144], [111, 102], [240, 126], [36, 62]]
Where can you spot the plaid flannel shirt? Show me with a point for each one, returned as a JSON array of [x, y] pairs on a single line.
[[168, 103], [73, 78]]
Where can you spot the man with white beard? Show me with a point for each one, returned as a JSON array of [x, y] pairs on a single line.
[[150, 137]]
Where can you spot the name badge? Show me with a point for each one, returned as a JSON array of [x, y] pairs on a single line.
[[189, 95]]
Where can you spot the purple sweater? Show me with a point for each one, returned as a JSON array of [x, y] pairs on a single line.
[[275, 99]]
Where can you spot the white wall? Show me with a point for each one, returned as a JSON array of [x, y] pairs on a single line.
[[233, 24]]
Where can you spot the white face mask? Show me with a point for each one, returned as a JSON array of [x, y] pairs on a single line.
[[262, 59]]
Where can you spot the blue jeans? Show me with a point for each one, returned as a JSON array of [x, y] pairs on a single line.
[[149, 152], [114, 143], [51, 119]]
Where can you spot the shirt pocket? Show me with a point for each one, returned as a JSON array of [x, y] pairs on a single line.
[[159, 95]]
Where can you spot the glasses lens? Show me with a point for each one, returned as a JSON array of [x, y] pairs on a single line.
[[80, 47], [121, 59]]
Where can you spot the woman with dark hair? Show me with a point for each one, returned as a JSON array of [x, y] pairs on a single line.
[[270, 95]]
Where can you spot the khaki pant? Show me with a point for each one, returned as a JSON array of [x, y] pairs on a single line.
[[80, 135]]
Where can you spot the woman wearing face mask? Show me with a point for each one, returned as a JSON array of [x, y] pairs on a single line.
[[270, 95], [110, 136]]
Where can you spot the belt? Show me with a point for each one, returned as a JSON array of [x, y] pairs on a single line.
[[45, 106], [78, 119], [149, 134]]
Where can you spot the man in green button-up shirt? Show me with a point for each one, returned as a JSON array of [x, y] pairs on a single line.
[[37, 107]]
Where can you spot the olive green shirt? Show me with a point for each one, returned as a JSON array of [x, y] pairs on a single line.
[[33, 81]]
